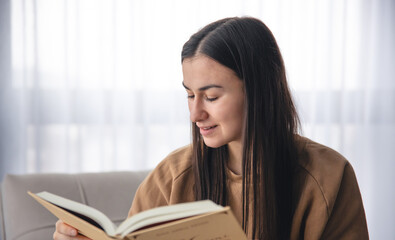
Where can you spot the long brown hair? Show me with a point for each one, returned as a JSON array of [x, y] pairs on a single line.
[[248, 47]]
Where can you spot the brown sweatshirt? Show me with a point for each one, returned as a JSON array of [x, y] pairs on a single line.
[[328, 202]]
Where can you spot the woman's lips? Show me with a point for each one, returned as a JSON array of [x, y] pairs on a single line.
[[205, 131]]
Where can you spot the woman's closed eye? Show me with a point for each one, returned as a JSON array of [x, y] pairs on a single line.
[[211, 99]]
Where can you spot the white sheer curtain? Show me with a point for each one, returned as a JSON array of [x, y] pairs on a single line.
[[95, 85]]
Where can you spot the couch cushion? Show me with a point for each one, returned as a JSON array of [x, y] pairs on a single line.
[[112, 193]]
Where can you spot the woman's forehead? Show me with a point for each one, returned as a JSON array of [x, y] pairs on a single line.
[[203, 70]]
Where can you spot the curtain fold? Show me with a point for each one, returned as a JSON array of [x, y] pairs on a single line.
[[95, 85]]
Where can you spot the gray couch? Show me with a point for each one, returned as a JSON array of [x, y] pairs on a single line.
[[24, 219]]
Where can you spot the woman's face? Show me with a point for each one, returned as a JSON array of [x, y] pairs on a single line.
[[215, 100]]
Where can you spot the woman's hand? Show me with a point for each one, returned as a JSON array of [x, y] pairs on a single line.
[[66, 232]]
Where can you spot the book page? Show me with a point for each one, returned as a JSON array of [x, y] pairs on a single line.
[[83, 227], [102, 220], [166, 213]]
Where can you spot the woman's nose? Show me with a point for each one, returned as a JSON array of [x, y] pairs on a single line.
[[197, 112]]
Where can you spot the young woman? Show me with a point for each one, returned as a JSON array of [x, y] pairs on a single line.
[[246, 152]]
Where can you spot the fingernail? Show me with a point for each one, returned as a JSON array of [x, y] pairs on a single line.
[[73, 232]]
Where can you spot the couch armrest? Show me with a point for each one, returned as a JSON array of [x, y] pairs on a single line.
[[24, 219]]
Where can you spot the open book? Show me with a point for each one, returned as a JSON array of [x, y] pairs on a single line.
[[194, 220]]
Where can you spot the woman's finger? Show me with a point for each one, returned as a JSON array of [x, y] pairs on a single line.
[[65, 229]]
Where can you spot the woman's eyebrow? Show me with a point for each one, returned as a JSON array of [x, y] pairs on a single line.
[[204, 87]]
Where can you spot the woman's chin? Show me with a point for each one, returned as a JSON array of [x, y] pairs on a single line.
[[213, 144]]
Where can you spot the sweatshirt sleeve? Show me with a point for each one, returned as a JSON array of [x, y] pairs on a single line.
[[169, 183], [347, 218], [153, 192]]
